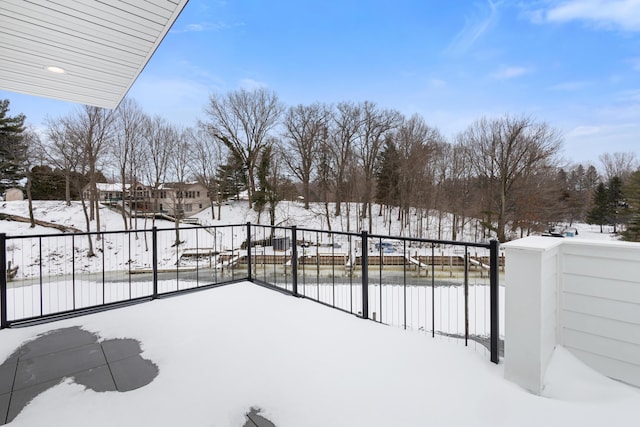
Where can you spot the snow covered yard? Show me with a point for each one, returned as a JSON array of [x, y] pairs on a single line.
[[224, 350]]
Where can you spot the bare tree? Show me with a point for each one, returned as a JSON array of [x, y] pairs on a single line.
[[618, 164], [458, 190], [345, 126], [62, 151], [242, 120], [305, 129], [125, 146], [376, 124], [324, 176], [209, 154], [159, 137], [93, 128], [506, 150], [415, 144], [33, 153], [78, 143], [180, 167]]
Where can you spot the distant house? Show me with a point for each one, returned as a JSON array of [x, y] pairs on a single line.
[[172, 198], [107, 193], [13, 194], [184, 199]]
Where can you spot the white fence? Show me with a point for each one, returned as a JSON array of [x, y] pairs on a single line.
[[584, 295]]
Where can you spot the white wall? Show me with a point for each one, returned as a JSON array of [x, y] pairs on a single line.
[[583, 295]]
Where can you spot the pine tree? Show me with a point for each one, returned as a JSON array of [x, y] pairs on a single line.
[[12, 147], [599, 213], [387, 175], [616, 211], [632, 193], [231, 178]]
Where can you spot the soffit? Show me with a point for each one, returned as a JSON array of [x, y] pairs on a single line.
[[102, 45]]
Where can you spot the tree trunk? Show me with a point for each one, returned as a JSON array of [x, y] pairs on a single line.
[[306, 192], [32, 220], [123, 211], [90, 252], [251, 188], [501, 217], [97, 204], [327, 214], [67, 188]]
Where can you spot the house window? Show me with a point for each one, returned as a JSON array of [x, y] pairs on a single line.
[[200, 206], [188, 208], [198, 194]]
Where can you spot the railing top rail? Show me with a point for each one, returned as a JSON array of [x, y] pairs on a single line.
[[400, 238], [93, 233], [275, 227]]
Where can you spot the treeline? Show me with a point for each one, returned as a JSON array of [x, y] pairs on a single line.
[[505, 171]]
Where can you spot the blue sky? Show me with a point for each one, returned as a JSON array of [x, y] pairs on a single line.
[[572, 63]]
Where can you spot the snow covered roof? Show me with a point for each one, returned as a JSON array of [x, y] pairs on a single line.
[[105, 186], [173, 185]]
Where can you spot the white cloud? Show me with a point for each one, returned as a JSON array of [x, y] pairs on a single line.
[[435, 82], [198, 27], [509, 72], [584, 131], [194, 27], [180, 100], [570, 86], [474, 28], [609, 14], [251, 84]]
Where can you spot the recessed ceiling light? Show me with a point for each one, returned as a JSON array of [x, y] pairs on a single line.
[[56, 70]]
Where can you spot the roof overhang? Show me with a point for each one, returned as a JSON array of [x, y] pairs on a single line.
[[84, 51]]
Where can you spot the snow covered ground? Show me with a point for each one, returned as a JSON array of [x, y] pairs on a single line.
[[238, 212], [122, 252], [222, 351]]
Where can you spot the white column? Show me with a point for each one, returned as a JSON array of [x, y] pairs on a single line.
[[531, 307]]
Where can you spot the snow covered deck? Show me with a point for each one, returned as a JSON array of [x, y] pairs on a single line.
[[223, 351]]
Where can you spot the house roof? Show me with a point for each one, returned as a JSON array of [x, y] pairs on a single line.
[[117, 186], [174, 185], [84, 51]]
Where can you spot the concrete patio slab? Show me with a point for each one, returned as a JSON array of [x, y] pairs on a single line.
[[109, 365], [254, 419]]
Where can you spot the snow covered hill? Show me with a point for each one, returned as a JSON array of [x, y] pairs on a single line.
[[238, 212]]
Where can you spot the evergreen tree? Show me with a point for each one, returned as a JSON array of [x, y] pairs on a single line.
[[232, 178], [616, 211], [632, 193], [12, 147], [387, 175], [599, 213], [47, 184], [261, 194]]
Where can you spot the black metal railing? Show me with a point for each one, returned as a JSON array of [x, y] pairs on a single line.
[[48, 276], [443, 288]]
